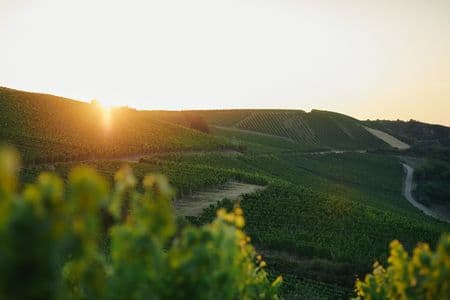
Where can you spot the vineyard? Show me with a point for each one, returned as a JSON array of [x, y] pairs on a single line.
[[317, 223], [316, 129], [49, 129], [286, 124], [80, 239], [262, 143], [322, 218]]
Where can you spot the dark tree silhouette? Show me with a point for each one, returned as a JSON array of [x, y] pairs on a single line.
[[197, 122]]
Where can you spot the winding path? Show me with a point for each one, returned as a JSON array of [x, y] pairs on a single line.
[[407, 191]]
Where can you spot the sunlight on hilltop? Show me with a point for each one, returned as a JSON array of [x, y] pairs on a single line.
[[106, 113], [107, 117]]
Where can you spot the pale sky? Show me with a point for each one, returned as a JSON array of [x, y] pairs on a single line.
[[369, 59]]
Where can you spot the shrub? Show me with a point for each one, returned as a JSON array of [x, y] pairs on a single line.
[[425, 275], [56, 244]]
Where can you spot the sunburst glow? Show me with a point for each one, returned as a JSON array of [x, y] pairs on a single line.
[[105, 112], [107, 117]]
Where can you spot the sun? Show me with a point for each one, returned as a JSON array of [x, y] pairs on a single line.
[[106, 113], [107, 117]]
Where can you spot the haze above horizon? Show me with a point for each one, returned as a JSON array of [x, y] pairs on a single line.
[[368, 59]]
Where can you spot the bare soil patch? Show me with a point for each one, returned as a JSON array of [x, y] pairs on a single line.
[[195, 203], [389, 139]]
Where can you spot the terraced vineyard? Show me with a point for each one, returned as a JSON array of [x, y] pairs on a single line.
[[319, 129], [287, 124], [261, 142]]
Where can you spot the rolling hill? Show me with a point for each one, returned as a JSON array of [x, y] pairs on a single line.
[[316, 129], [321, 217], [49, 128]]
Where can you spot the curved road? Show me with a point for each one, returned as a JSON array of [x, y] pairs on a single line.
[[407, 191]]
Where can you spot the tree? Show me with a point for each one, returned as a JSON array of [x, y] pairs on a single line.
[[197, 122]]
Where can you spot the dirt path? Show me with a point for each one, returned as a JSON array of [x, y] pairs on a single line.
[[194, 204], [325, 152], [387, 138], [407, 191]]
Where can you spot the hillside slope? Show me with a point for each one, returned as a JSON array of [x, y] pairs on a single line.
[[415, 133], [391, 140], [49, 128], [320, 129]]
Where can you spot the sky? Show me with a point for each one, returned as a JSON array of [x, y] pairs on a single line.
[[369, 59]]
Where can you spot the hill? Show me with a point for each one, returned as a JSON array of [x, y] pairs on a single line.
[[321, 217], [415, 133], [316, 129], [49, 128]]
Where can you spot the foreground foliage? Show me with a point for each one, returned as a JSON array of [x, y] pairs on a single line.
[[85, 241], [425, 275]]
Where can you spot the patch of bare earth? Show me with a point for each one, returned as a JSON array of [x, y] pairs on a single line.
[[389, 139], [195, 203]]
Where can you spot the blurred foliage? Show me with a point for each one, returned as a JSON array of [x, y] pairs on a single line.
[[83, 240], [425, 275]]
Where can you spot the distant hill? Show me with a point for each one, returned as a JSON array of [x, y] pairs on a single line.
[[414, 132], [49, 128]]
